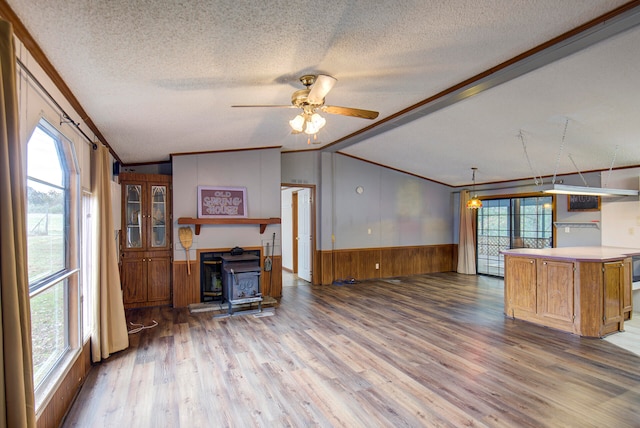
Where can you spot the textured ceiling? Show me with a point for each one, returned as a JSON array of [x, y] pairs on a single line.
[[159, 77]]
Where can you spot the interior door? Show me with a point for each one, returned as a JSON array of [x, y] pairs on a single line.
[[304, 234]]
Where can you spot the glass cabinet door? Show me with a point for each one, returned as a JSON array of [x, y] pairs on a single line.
[[133, 203], [158, 216]]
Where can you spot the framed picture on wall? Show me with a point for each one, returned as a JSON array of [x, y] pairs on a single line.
[[583, 203], [222, 202]]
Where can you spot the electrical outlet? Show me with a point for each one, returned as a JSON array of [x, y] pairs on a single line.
[[377, 265], [369, 231]]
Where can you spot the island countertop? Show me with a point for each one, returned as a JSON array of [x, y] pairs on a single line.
[[585, 254]]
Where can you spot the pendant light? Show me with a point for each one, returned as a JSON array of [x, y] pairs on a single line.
[[474, 203]]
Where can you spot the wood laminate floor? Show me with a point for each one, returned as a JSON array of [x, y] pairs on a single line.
[[427, 350]]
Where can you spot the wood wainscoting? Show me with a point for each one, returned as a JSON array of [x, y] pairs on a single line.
[[186, 288], [329, 266], [60, 402], [272, 280], [392, 261]]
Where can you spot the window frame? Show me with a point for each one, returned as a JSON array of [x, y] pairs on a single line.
[[510, 212], [70, 276], [87, 260]]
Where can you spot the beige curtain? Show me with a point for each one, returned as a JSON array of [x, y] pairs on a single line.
[[467, 239], [110, 328], [18, 403]]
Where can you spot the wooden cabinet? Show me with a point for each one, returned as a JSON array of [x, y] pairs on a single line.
[[145, 279], [540, 290], [145, 246], [586, 297]]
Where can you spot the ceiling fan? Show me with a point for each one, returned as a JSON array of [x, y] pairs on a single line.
[[311, 101]]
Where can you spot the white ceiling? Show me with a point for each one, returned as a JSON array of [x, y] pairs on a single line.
[[159, 77]]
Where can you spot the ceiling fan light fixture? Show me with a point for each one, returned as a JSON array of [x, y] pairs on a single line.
[[314, 123], [311, 128], [310, 100], [297, 123], [318, 121]]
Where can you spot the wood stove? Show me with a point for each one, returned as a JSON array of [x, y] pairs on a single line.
[[212, 273], [241, 280]]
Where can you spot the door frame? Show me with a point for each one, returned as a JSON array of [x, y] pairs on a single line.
[[313, 254], [512, 221], [294, 231]]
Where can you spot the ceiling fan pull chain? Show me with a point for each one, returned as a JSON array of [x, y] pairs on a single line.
[[524, 147], [564, 134]]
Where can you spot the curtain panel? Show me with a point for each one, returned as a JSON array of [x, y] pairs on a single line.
[[18, 399], [467, 237], [109, 333]]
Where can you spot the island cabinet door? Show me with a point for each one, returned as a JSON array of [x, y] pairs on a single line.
[[556, 292], [520, 280], [613, 295]]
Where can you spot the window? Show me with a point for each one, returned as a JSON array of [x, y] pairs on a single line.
[[511, 223], [52, 245]]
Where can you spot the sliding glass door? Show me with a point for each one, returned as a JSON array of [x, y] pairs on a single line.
[[512, 223]]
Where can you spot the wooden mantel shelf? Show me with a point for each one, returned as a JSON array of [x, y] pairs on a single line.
[[197, 222]]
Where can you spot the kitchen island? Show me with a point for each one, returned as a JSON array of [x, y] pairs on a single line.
[[581, 290]]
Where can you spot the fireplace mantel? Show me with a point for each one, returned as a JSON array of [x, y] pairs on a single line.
[[198, 222]]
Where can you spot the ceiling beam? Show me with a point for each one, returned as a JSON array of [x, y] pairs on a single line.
[[615, 22]]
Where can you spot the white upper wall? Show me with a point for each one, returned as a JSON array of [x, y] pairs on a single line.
[[621, 216], [394, 209], [256, 170]]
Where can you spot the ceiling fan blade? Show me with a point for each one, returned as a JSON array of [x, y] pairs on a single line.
[[320, 88], [267, 105], [348, 111]]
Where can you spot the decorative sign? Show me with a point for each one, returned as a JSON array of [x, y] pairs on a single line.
[[222, 202], [583, 203]]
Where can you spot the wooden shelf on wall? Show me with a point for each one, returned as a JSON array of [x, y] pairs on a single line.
[[198, 222]]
